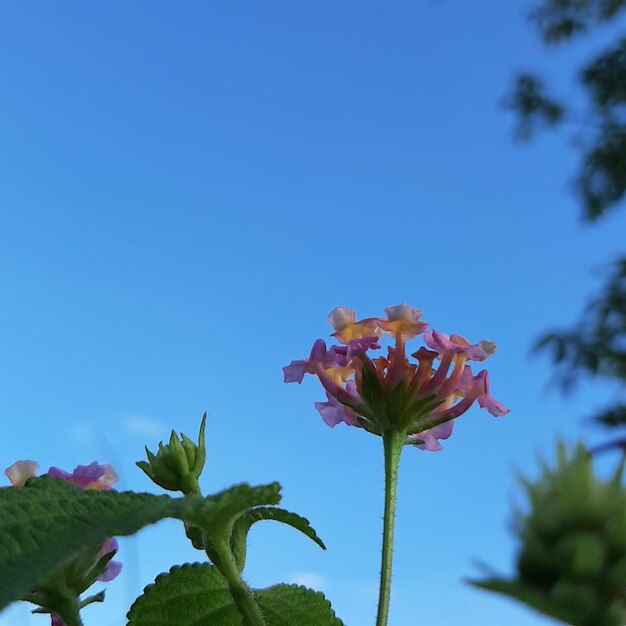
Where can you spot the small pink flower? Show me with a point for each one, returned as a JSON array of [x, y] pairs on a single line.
[[341, 317], [343, 320], [92, 476], [404, 319]]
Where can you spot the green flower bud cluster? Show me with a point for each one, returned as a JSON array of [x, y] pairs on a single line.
[[177, 465], [573, 554]]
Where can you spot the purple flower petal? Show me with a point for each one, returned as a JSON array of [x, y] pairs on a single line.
[[295, 371], [439, 342], [337, 356], [112, 570], [86, 474], [352, 390], [110, 546], [55, 472], [356, 347], [333, 412], [487, 401], [92, 476], [431, 436], [459, 345], [497, 409], [82, 476], [478, 386]]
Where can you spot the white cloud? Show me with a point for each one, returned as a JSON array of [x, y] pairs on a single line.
[[366, 590], [311, 580], [143, 426], [363, 589], [82, 432]]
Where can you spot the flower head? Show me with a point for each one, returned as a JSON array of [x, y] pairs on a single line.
[[392, 393]]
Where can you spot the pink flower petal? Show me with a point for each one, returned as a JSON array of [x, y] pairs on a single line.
[[459, 345], [431, 437], [21, 471], [112, 570], [92, 476], [333, 412], [295, 371], [341, 316]]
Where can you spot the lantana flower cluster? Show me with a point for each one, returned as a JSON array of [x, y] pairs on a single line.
[[392, 393], [92, 476]]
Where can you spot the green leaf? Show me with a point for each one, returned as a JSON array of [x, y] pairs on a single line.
[[197, 594], [217, 518], [291, 605], [47, 523], [529, 596], [242, 526], [189, 595]]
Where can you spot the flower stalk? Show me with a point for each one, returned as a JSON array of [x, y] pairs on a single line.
[[393, 442], [242, 595], [67, 609], [402, 401]]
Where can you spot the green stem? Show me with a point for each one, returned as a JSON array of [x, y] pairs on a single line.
[[393, 443], [242, 596], [67, 608], [190, 485]]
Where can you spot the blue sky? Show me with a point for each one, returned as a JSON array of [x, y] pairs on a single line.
[[188, 190]]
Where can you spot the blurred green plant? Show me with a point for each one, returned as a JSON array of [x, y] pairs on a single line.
[[571, 563]]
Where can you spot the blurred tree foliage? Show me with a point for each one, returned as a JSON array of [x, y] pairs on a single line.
[[596, 345], [601, 181]]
